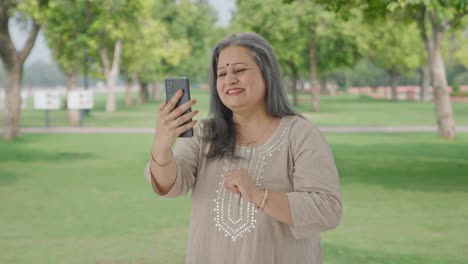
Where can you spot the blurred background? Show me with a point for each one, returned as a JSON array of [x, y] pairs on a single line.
[[81, 80]]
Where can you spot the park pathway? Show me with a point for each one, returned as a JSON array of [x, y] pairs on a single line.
[[138, 130]]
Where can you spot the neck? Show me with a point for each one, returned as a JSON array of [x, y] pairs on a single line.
[[251, 119], [253, 128]]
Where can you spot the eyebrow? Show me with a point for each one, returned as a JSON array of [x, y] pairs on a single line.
[[236, 63]]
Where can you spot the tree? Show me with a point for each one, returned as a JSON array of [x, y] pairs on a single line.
[[278, 24], [65, 32], [109, 24], [436, 17], [194, 22], [395, 47], [306, 31], [150, 51], [13, 59]]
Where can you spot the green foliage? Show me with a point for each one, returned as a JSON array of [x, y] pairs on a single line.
[[459, 42], [171, 38], [66, 33], [35, 9], [445, 12], [290, 28], [193, 23], [341, 43], [365, 73], [395, 46], [278, 24], [74, 26], [149, 48]]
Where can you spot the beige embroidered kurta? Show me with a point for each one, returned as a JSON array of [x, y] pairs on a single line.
[[224, 228]]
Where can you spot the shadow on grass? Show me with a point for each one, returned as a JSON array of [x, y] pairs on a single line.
[[340, 254], [408, 166], [26, 154], [7, 177], [19, 151]]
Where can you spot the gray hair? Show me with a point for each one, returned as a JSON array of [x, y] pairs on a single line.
[[220, 129]]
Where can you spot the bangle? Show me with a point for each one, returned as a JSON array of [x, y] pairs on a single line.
[[159, 164], [265, 196]]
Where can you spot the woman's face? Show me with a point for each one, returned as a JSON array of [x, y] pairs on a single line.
[[240, 82]]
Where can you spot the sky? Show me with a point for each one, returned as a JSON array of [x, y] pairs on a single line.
[[42, 52]]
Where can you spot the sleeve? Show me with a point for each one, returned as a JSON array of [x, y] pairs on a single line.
[[187, 158], [315, 203]]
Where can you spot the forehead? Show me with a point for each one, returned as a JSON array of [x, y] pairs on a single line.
[[235, 54]]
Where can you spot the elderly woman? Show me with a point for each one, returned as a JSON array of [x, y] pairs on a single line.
[[263, 181]]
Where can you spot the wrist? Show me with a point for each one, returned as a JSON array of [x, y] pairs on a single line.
[[162, 158], [258, 196]]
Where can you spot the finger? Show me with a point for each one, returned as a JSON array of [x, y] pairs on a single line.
[[173, 101], [185, 127], [227, 181], [161, 107], [232, 188], [184, 118], [181, 109]]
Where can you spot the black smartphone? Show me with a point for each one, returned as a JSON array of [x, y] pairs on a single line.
[[172, 86]]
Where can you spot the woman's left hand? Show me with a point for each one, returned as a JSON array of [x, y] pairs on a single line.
[[240, 182]]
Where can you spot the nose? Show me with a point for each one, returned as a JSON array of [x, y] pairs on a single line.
[[230, 79]]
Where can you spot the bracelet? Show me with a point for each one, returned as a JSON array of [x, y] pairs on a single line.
[[159, 164], [265, 196]]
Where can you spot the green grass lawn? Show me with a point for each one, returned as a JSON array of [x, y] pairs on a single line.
[[343, 110], [83, 199]]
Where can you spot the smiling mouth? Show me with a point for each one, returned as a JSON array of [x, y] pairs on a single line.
[[236, 91]]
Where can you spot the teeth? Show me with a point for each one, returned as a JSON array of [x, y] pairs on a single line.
[[234, 91]]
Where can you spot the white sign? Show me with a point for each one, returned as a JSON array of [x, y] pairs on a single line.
[[47, 100], [80, 99], [24, 100]]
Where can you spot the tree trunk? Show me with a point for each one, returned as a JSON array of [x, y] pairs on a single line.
[[323, 85], [293, 84], [12, 113], [347, 80], [156, 91], [111, 71], [131, 82], [13, 61], [315, 86], [424, 82], [144, 93], [394, 80], [73, 114], [443, 105]]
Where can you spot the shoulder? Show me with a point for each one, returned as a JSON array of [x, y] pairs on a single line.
[[304, 134], [300, 126]]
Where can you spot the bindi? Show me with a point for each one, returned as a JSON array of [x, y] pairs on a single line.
[[227, 64]]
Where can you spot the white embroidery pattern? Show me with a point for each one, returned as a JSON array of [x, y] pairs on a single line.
[[233, 215]]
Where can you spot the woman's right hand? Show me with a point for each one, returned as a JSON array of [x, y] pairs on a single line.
[[171, 122]]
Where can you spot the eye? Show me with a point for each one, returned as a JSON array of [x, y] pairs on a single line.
[[221, 74], [240, 70]]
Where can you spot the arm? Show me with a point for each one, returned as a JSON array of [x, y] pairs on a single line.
[[163, 170], [315, 203], [276, 205]]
